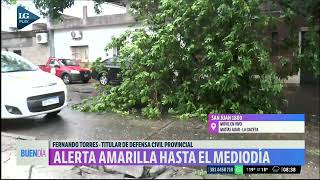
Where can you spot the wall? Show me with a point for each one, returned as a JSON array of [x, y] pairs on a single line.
[[26, 42], [96, 38], [283, 34]]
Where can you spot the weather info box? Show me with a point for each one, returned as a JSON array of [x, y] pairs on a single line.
[[176, 153]]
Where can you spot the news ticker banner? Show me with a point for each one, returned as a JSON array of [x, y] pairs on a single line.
[[244, 169], [256, 123], [175, 153]]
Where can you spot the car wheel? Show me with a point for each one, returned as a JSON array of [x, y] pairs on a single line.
[[66, 78], [103, 80], [55, 113]]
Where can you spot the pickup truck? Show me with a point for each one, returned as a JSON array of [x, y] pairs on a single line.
[[67, 69]]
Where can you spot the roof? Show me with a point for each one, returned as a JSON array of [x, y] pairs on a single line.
[[17, 34], [106, 20], [64, 16], [118, 2]]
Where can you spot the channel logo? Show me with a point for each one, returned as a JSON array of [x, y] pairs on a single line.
[[30, 153], [25, 17]]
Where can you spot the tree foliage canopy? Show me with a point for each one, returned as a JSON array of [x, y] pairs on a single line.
[[194, 57]]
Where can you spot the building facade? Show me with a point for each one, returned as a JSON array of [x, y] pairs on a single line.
[[280, 37], [26, 44], [85, 39]]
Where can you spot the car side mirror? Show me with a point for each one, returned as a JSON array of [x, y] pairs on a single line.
[[56, 66]]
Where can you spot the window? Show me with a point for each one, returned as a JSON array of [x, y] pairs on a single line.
[[116, 51], [303, 41], [80, 53], [69, 62], [275, 44], [17, 52], [11, 62], [53, 63]]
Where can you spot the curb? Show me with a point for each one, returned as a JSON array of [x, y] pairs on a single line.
[[17, 136]]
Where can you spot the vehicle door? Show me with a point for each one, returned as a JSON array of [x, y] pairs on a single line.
[[54, 67]]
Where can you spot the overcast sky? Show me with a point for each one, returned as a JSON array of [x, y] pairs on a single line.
[[9, 12]]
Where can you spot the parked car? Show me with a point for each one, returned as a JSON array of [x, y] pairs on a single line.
[[67, 69], [28, 91], [109, 72]]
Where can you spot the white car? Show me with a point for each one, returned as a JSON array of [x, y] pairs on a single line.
[[28, 91]]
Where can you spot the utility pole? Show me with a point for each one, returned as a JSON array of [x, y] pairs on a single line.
[[50, 35], [126, 3]]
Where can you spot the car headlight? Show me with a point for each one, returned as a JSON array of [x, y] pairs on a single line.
[[13, 110], [74, 72]]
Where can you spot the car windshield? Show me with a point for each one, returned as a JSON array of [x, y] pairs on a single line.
[[69, 62], [112, 62], [11, 62]]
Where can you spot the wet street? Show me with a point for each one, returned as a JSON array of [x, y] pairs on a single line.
[[71, 124]]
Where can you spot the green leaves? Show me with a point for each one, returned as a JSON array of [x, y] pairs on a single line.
[[151, 112], [144, 99], [97, 65], [53, 8], [9, 1], [212, 72]]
